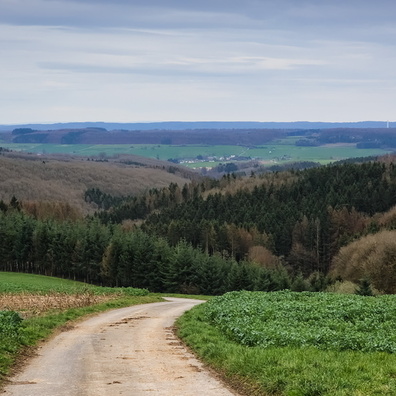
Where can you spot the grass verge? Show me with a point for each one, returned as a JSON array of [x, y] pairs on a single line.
[[288, 371]]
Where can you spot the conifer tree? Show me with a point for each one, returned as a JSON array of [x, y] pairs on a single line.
[[364, 288]]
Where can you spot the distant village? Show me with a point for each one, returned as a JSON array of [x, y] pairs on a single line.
[[232, 158]]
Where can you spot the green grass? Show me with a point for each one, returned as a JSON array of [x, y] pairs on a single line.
[[287, 153], [162, 152], [281, 151], [218, 330], [11, 282]]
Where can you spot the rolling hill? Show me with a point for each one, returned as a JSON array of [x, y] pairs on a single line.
[[65, 179]]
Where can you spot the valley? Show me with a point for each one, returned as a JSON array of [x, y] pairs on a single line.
[[307, 215]]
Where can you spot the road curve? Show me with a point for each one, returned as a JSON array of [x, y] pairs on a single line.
[[127, 351]]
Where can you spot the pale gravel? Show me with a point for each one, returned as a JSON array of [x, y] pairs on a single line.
[[130, 351]]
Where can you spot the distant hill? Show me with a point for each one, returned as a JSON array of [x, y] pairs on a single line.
[[181, 125], [53, 179], [92, 135], [369, 137]]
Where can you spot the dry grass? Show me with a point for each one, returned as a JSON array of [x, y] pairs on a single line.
[[29, 304]]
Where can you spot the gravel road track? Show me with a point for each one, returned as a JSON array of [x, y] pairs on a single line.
[[129, 351]]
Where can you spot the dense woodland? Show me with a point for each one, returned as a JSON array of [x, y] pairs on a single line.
[[298, 229], [115, 256]]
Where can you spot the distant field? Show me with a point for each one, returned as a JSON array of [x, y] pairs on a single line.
[[281, 151], [162, 152], [320, 154]]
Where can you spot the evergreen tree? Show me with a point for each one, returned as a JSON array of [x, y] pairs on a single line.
[[364, 288]]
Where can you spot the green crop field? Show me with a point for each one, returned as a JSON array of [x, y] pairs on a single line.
[[323, 154], [14, 283], [281, 151], [322, 320], [162, 152], [293, 344]]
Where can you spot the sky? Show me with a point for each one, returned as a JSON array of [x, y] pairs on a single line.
[[207, 60]]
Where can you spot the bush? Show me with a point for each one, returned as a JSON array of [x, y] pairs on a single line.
[[10, 323], [372, 257]]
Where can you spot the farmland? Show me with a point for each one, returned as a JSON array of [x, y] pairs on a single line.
[[277, 151], [16, 283], [286, 343], [33, 306], [288, 225]]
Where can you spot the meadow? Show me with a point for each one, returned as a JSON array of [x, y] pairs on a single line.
[[16, 283], [281, 151], [293, 344]]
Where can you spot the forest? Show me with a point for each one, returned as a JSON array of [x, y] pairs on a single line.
[[296, 229], [49, 179]]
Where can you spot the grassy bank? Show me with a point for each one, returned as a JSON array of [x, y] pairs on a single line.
[[228, 333]]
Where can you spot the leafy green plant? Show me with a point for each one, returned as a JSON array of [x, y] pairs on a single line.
[[10, 323], [321, 320], [10, 337], [232, 334]]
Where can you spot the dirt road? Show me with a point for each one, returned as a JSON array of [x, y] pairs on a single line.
[[128, 351]]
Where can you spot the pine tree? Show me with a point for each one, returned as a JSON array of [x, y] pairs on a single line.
[[364, 288]]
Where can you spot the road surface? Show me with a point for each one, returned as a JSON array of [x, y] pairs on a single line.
[[130, 351]]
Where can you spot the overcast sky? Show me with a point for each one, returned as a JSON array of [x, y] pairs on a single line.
[[212, 60]]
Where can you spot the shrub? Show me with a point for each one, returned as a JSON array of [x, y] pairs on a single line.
[[372, 257]]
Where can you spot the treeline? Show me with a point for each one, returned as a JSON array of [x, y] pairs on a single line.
[[245, 137], [140, 206], [301, 217], [362, 137], [110, 255]]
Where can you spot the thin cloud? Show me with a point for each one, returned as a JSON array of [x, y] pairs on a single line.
[[213, 59]]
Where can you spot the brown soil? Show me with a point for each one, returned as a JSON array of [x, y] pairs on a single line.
[[29, 304]]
